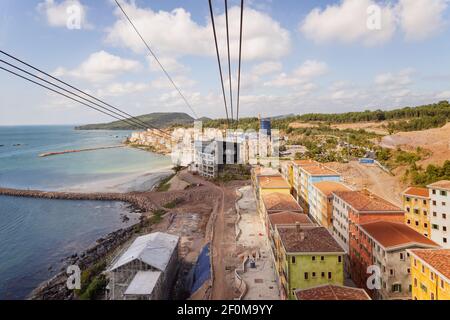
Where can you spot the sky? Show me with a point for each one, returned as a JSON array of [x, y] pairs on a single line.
[[298, 56]]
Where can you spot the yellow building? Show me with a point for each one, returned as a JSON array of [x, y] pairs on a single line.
[[306, 256], [416, 203], [430, 274], [287, 171]]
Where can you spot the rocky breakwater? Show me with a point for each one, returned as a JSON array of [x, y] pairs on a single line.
[[56, 288]]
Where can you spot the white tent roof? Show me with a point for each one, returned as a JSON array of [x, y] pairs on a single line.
[[143, 283], [154, 249]]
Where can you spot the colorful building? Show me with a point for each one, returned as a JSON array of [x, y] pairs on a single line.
[[416, 204], [430, 273], [351, 208], [284, 218], [310, 175], [306, 257], [321, 201], [287, 171], [384, 244], [332, 292], [440, 213], [296, 165], [277, 202]]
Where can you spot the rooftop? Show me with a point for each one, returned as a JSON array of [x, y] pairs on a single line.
[[308, 239], [280, 202], [393, 234], [328, 187], [438, 259], [318, 170], [365, 201], [305, 163], [273, 182], [263, 171], [143, 283], [154, 249], [417, 192], [332, 292], [444, 184], [289, 217]]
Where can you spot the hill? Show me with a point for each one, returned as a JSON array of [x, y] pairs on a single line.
[[158, 119]]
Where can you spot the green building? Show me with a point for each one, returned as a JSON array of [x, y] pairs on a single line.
[[307, 257]]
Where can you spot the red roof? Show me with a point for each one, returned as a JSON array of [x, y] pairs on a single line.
[[289, 217], [444, 184], [417, 192], [366, 201], [332, 292], [280, 202], [438, 259], [273, 182], [393, 234]]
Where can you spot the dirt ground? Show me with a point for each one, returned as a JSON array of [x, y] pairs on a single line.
[[375, 127], [371, 177], [435, 140]]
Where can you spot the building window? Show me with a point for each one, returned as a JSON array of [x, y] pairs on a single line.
[[293, 259], [444, 228], [339, 259], [444, 240], [391, 272], [444, 216], [443, 203], [322, 258], [329, 275], [423, 269], [433, 191], [432, 296], [442, 284], [434, 214], [323, 274], [417, 223], [425, 202], [313, 274], [432, 276], [402, 256], [397, 287], [408, 270], [415, 282], [408, 222], [425, 225], [408, 199], [425, 213], [306, 275], [435, 227], [434, 202], [408, 209], [313, 258]]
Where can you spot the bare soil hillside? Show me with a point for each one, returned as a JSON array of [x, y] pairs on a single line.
[[435, 140]]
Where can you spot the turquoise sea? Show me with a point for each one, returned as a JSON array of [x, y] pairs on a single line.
[[36, 234]]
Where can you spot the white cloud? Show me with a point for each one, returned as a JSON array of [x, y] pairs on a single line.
[[308, 71], [59, 14], [346, 22], [175, 33], [170, 64], [99, 67], [444, 95], [266, 68], [421, 18], [395, 81], [120, 89]]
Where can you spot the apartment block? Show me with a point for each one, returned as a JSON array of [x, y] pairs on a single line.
[[287, 171], [306, 257], [430, 273], [310, 175], [275, 203], [321, 201], [416, 204], [351, 208], [296, 165], [440, 212], [384, 244]]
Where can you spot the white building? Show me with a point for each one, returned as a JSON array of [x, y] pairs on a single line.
[[340, 223], [146, 270], [440, 213]]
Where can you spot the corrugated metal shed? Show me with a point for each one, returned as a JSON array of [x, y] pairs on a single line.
[[154, 249], [143, 283]]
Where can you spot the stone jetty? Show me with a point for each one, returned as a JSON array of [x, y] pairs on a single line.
[[48, 154]]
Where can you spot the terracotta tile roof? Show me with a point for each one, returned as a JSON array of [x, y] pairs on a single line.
[[332, 292], [273, 182], [444, 184], [393, 234], [289, 217], [263, 171], [438, 259], [308, 239], [417, 192], [280, 202], [366, 201], [328, 187], [303, 163], [320, 171]]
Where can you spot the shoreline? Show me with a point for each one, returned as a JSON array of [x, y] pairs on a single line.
[[136, 202]]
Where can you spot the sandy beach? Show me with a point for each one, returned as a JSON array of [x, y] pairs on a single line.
[[136, 182]]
